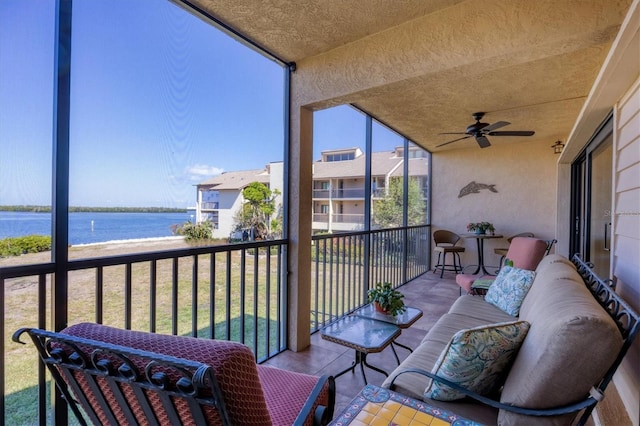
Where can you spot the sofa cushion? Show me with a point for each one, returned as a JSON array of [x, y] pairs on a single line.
[[286, 392], [448, 325], [465, 281], [426, 354], [555, 269], [526, 253], [553, 259], [570, 345], [477, 359], [475, 307], [423, 357], [510, 288]]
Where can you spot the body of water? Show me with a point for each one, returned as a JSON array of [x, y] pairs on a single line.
[[89, 227]]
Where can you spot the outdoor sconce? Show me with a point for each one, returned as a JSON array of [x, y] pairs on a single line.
[[557, 147]]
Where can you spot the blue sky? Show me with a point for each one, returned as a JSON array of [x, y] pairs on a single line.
[[160, 101]]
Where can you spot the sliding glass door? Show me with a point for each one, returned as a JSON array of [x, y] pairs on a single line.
[[592, 200]]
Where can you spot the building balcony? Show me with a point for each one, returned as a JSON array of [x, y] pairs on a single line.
[[341, 194], [352, 218], [339, 222], [354, 194], [210, 205]]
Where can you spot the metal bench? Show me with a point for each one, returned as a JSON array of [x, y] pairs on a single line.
[[627, 321]]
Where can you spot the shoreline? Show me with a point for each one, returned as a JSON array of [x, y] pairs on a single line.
[[93, 250], [85, 209], [128, 241], [96, 228]]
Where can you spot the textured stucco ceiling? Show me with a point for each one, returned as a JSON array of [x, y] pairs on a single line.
[[424, 66]]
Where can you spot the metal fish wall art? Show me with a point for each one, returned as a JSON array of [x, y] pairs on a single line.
[[474, 188]]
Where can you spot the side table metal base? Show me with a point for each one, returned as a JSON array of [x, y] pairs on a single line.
[[394, 344], [361, 358]]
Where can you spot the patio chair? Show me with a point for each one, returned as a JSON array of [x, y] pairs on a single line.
[[445, 242], [502, 251], [550, 244], [524, 252], [129, 377]]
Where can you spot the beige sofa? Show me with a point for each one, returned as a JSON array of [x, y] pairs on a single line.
[[571, 344]]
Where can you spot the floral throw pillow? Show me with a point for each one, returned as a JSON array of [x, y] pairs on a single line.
[[477, 359], [509, 289]]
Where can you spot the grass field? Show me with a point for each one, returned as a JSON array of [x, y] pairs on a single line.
[[232, 319], [241, 303]]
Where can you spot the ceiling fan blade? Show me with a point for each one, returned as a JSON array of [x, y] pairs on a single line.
[[513, 133], [495, 126], [455, 140], [483, 141]]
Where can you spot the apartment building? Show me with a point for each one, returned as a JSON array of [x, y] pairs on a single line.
[[339, 187], [220, 197]]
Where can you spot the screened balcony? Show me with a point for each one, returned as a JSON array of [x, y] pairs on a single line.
[[418, 71]]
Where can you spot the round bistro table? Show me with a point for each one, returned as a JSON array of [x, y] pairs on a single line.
[[480, 244]]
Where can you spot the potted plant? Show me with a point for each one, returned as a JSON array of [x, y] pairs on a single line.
[[386, 299], [480, 227]]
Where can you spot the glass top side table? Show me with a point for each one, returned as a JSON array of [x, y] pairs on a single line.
[[363, 335], [403, 320]]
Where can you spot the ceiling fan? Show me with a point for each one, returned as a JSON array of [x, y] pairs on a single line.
[[481, 130]]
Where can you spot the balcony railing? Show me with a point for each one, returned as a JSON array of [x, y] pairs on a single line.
[[349, 218], [210, 205], [342, 272], [355, 218], [232, 292], [321, 193], [378, 193], [357, 193]]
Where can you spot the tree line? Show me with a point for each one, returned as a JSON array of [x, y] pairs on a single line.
[[72, 209]]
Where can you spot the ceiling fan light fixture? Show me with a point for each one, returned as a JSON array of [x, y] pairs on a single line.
[[557, 147], [480, 131]]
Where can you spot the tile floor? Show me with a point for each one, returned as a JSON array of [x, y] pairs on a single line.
[[430, 293]]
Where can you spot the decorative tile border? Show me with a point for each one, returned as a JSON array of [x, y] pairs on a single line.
[[381, 406]]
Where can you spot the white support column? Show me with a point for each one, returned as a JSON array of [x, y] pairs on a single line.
[[198, 205], [330, 224]]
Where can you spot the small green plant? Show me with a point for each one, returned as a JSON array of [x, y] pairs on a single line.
[[196, 232], [388, 299], [480, 227]]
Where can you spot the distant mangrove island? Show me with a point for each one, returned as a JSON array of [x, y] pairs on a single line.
[[47, 209]]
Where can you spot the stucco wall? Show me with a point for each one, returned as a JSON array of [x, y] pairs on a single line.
[[524, 174], [230, 202], [276, 179]]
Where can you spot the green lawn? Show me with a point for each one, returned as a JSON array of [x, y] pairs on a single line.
[[21, 307], [189, 300]]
